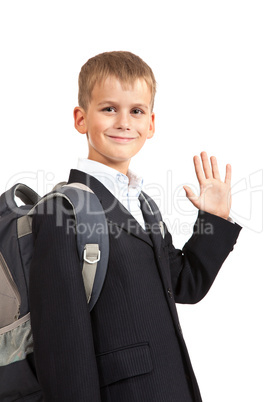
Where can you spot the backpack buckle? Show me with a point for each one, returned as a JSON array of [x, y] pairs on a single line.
[[91, 253]]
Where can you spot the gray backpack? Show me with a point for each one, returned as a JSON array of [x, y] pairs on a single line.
[[18, 381]]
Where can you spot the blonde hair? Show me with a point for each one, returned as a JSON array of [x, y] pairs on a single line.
[[125, 66]]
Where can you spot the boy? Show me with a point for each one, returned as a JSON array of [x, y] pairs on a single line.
[[130, 347]]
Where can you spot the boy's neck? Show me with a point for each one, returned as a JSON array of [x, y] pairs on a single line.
[[121, 167]]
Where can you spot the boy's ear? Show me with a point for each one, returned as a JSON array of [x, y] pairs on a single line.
[[80, 120], [152, 126]]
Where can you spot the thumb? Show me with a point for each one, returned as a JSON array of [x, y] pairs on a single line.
[[191, 195]]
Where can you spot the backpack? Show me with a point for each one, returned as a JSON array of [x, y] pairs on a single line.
[[18, 381]]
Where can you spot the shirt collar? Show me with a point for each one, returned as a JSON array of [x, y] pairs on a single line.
[[116, 182]]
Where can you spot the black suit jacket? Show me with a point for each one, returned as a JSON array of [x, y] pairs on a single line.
[[130, 348]]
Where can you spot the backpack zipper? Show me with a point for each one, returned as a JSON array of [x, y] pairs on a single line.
[[11, 282]]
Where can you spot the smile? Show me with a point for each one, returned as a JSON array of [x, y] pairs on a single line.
[[122, 140]]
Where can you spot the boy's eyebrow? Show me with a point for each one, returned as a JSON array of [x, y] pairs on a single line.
[[142, 105]]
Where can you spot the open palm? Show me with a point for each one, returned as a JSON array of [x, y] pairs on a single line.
[[215, 195]]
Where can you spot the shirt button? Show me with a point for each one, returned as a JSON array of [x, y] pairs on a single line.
[[122, 178]]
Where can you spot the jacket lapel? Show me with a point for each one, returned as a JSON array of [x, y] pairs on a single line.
[[118, 217], [154, 221]]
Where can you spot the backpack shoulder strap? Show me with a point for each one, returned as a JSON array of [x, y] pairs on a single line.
[[91, 231], [92, 238]]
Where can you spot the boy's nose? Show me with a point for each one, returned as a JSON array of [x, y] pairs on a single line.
[[123, 122]]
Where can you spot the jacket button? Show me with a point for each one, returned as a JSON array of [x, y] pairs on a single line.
[[169, 293]]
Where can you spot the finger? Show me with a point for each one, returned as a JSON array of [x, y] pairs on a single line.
[[198, 170], [228, 175], [215, 169], [206, 165], [191, 195]]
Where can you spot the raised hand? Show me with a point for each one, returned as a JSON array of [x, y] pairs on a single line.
[[215, 195]]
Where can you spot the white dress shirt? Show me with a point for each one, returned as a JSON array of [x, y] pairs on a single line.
[[125, 188]]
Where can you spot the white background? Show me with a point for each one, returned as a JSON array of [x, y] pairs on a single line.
[[210, 61]]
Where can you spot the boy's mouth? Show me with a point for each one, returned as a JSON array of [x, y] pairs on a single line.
[[121, 139]]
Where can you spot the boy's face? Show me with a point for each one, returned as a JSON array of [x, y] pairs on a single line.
[[117, 122]]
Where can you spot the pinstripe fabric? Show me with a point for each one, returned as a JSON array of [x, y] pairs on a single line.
[[130, 349]]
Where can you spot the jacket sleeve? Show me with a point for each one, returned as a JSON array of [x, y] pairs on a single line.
[[194, 268], [61, 324]]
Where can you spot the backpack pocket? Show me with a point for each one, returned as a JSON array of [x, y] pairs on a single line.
[[10, 299], [16, 341], [17, 372]]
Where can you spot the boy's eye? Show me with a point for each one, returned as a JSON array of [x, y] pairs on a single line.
[[109, 109], [137, 111]]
